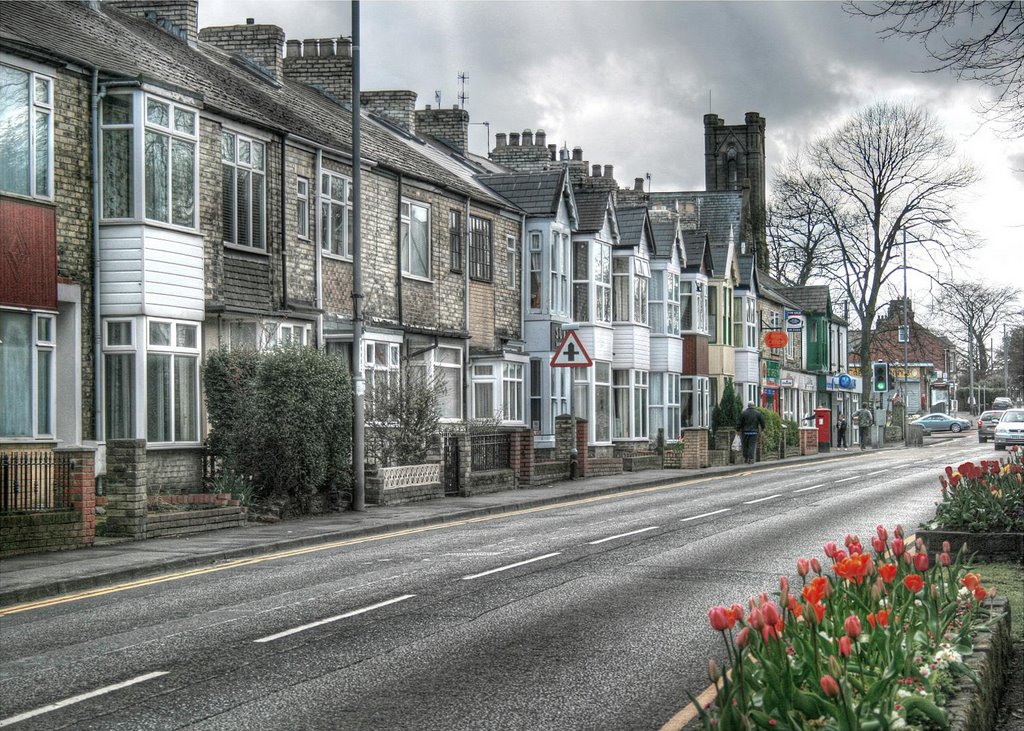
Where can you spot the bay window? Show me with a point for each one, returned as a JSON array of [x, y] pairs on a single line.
[[170, 139], [415, 239], [172, 382], [26, 132], [664, 303], [641, 278], [243, 190], [602, 282], [119, 378], [381, 365], [483, 392], [664, 392], [581, 281], [118, 180], [535, 271], [602, 402], [630, 278], [27, 373], [630, 404], [672, 303], [512, 391], [558, 292], [694, 402]]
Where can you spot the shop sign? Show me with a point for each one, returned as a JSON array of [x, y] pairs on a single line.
[[772, 369], [794, 322], [775, 339], [786, 382]]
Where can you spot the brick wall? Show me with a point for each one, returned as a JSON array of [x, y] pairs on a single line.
[[324, 62], [808, 440], [524, 152], [263, 44], [183, 13], [695, 448], [451, 126], [174, 470], [300, 253], [126, 488], [396, 105]]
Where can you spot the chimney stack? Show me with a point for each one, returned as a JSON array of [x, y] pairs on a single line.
[[261, 44], [180, 18], [316, 62], [527, 138], [595, 172], [638, 184]]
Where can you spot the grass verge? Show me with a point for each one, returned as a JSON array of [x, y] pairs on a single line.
[[1008, 581]]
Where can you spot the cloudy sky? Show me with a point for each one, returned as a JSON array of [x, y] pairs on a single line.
[[629, 82]]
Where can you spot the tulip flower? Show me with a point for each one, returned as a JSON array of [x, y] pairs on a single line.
[[921, 561], [878, 545], [718, 618], [852, 626], [845, 646], [802, 567], [971, 580], [713, 671], [882, 532], [945, 547], [898, 531], [743, 638], [945, 559], [771, 613], [830, 686], [815, 565], [756, 619], [897, 547], [888, 572], [914, 583], [737, 611], [980, 593], [784, 584], [830, 549], [856, 548]]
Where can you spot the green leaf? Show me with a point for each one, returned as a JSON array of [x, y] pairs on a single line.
[[928, 709]]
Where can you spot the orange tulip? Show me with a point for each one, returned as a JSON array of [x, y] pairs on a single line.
[[914, 583]]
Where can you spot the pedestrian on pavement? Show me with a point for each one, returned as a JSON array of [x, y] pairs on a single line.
[[864, 421], [841, 432], [751, 424]]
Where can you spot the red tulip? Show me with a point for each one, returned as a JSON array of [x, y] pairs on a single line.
[[815, 565], [914, 583], [718, 618], [852, 626], [743, 638], [945, 559], [737, 612], [845, 646], [756, 619], [771, 613], [882, 532], [921, 561], [898, 547], [980, 593], [878, 545], [830, 686], [888, 572]]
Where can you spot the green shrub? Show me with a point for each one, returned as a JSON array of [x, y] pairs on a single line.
[[726, 414], [772, 434], [284, 417], [792, 432], [402, 417]]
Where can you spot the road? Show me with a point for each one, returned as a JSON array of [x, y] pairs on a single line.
[[587, 615]]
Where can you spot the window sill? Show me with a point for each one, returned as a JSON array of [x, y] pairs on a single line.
[[163, 446], [335, 257], [250, 250], [29, 198], [417, 278]]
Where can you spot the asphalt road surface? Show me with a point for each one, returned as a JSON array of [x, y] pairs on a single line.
[[587, 615]]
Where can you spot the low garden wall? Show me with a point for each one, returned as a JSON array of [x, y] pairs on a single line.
[[398, 485], [162, 524]]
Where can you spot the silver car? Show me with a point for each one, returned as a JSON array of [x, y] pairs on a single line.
[[987, 424], [1010, 429]]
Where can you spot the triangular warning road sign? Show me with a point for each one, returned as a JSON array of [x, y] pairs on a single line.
[[571, 353]]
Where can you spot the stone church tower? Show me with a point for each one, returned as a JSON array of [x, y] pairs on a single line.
[[734, 160]]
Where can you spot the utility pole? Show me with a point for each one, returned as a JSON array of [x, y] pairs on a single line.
[[358, 384], [905, 337], [1006, 364], [971, 401]]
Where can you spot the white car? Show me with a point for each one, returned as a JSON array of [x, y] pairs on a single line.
[[1009, 429]]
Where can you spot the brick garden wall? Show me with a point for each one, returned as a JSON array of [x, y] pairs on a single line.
[[174, 470]]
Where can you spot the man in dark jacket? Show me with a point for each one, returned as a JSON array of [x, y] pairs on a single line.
[[751, 424]]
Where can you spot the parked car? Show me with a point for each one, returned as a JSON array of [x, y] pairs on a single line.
[[1002, 403], [1010, 429], [941, 422], [987, 424]]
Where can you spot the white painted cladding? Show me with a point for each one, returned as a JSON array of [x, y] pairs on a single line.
[[747, 366], [666, 353], [632, 347], [152, 271]]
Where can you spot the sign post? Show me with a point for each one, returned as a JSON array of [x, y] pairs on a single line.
[[570, 353]]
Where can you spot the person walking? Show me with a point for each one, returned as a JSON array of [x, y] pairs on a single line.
[[750, 425], [841, 432], [864, 421]]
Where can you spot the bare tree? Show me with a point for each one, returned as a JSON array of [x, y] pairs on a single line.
[[975, 311], [887, 171], [402, 415], [981, 40], [798, 225]]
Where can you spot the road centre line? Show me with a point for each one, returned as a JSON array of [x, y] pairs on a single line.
[[328, 620], [812, 487], [705, 515], [622, 535], [876, 472], [79, 698], [847, 479], [761, 499], [511, 566]]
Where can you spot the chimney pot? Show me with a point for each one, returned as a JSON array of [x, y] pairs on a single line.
[[455, 106], [553, 151], [609, 171], [527, 138], [250, 21], [427, 107], [499, 140], [345, 47], [638, 184], [540, 138], [595, 172], [513, 139], [294, 48], [577, 153], [326, 47]]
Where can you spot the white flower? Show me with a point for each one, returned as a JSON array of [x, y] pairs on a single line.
[[924, 671]]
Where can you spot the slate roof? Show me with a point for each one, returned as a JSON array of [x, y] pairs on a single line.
[[695, 244], [632, 222], [665, 236], [718, 212], [811, 298], [126, 47], [748, 277], [536, 193], [592, 206], [771, 288]]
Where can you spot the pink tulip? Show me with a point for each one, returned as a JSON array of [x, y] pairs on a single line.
[[718, 618], [816, 566], [737, 611], [743, 638], [921, 561], [878, 545], [784, 584], [898, 547], [945, 546], [845, 646], [856, 548], [830, 549], [898, 531], [852, 626], [756, 618], [830, 686], [771, 613], [802, 567], [882, 532], [839, 556], [945, 559]]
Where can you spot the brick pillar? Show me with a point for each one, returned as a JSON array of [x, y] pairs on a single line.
[[82, 488], [522, 457], [126, 488], [582, 437], [695, 448], [808, 440], [465, 465]]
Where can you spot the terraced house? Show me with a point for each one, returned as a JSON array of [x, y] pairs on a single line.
[[197, 187]]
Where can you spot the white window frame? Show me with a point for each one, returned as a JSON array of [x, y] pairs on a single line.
[[40, 345], [302, 207], [485, 380], [602, 432], [133, 145], [407, 205], [290, 333], [173, 134], [602, 275], [331, 248], [256, 168], [510, 253], [641, 289], [535, 296], [111, 350], [37, 107], [436, 367], [559, 262], [174, 350], [389, 367], [513, 394]]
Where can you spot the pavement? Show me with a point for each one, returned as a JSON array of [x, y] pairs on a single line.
[[110, 561]]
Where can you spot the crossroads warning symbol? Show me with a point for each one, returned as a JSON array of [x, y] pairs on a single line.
[[571, 353]]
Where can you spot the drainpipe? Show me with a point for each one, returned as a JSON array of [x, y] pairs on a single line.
[[466, 378], [317, 256], [359, 384], [97, 333], [398, 228], [284, 237]]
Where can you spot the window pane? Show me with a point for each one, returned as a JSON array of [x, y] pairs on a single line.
[[337, 188], [338, 229], [257, 210], [44, 329], [156, 176], [483, 399], [120, 392], [117, 109], [42, 90], [186, 377], [257, 155], [227, 147], [14, 132], [157, 112], [185, 336], [42, 153], [44, 367], [118, 182], [159, 333], [15, 374], [244, 152], [158, 394], [184, 121], [182, 187], [242, 207], [119, 333]]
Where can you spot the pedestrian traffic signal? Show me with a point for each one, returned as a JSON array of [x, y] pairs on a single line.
[[880, 373]]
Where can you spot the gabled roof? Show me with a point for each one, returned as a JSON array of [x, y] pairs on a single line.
[[537, 193], [770, 288], [718, 212], [633, 222], [125, 47], [594, 207], [665, 233], [698, 251], [748, 272], [812, 298]]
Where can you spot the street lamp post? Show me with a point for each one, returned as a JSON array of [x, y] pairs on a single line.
[[906, 342]]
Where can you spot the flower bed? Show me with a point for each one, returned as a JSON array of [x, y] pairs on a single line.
[[875, 639]]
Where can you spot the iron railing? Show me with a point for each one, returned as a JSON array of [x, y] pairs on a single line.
[[34, 481], [491, 451]]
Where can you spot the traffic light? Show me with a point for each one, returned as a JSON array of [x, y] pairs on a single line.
[[880, 373]]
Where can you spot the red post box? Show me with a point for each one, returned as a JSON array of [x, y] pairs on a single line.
[[823, 421]]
